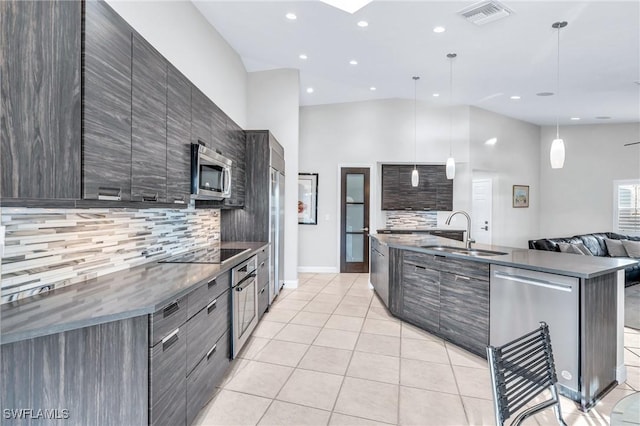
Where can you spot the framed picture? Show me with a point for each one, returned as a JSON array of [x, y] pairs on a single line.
[[520, 196], [307, 198]]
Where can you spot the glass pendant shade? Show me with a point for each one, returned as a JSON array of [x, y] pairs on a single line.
[[415, 178], [556, 154], [451, 168]]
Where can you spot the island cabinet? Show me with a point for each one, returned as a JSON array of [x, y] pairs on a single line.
[[40, 103], [434, 190], [447, 297]]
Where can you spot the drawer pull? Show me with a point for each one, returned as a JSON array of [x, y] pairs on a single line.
[[420, 267], [111, 194], [168, 341], [263, 289], [212, 283], [212, 351], [262, 265], [171, 309], [179, 200], [462, 277], [211, 306], [150, 197]]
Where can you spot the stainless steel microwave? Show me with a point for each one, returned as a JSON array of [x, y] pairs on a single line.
[[210, 174]]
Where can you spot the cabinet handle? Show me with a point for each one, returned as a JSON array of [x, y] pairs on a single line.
[[171, 309], [212, 283], [262, 265], [111, 194], [263, 289], [168, 341], [178, 200], [211, 306], [152, 197], [212, 351], [420, 267], [462, 277]]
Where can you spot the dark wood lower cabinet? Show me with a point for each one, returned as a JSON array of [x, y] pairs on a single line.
[[167, 384], [91, 376], [464, 311], [421, 296]]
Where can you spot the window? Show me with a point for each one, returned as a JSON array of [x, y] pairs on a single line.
[[626, 209]]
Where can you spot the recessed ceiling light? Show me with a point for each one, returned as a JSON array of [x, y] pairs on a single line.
[[575, 118], [515, 97], [439, 29], [544, 94], [291, 16], [353, 62], [309, 89], [491, 141], [603, 117], [435, 95], [363, 24], [372, 88], [303, 56]]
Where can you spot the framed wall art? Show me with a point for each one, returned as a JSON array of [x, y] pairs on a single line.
[[520, 196], [307, 198]]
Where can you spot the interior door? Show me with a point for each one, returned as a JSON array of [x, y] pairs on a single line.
[[481, 200], [354, 220]]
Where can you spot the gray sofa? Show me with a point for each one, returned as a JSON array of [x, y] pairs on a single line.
[[596, 245]]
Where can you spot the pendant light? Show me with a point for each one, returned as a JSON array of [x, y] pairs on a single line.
[[415, 177], [451, 163], [556, 154]]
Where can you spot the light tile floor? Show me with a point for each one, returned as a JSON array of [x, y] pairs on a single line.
[[329, 353]]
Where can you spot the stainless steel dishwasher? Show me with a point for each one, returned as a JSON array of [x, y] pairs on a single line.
[[520, 299]]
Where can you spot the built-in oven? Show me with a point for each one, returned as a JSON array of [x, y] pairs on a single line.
[[210, 174], [244, 299]]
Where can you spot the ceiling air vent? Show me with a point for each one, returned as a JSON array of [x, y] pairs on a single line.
[[484, 12]]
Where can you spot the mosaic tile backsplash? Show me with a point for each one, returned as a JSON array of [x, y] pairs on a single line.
[[402, 219], [50, 248]]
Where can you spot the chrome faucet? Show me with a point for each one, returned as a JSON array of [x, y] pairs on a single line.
[[467, 237]]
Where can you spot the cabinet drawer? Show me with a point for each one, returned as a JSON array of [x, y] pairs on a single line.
[[167, 380], [207, 375], [263, 254], [468, 268], [263, 273], [421, 296], [263, 299], [206, 327], [167, 319], [418, 258], [206, 293]]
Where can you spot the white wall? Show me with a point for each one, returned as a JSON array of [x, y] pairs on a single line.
[[273, 103], [578, 198], [365, 134], [513, 160], [180, 33]]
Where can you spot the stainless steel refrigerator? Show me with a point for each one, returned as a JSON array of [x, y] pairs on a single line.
[[276, 227]]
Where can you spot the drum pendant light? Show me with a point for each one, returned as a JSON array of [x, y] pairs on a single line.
[[556, 154], [451, 163], [415, 177]]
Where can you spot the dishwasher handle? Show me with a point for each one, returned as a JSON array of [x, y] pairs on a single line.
[[533, 281]]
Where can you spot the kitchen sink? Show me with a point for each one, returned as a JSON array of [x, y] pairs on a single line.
[[465, 251]]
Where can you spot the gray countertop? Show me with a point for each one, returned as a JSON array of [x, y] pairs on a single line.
[[418, 229], [536, 260], [125, 294]]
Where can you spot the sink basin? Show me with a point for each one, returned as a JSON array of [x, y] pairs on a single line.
[[465, 251]]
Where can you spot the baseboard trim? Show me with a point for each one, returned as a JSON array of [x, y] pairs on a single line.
[[318, 269], [290, 283]]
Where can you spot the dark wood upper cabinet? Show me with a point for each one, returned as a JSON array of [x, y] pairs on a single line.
[[40, 99], [201, 118], [106, 153], [178, 136], [236, 149], [434, 191], [149, 123]]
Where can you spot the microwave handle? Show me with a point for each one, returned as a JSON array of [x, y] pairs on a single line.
[[227, 181]]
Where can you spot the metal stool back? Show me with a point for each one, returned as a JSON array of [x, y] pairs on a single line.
[[520, 371]]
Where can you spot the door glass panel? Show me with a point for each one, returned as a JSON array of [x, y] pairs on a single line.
[[355, 217], [355, 188], [355, 247]]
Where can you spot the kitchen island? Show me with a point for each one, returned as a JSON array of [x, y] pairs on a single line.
[[451, 292]]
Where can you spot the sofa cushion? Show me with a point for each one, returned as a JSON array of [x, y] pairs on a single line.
[[632, 248], [577, 248], [595, 243], [615, 248]]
